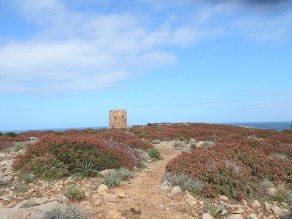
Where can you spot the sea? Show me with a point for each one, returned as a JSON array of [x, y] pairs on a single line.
[[264, 125], [261, 125]]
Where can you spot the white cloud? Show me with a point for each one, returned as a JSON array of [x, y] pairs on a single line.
[[79, 50]]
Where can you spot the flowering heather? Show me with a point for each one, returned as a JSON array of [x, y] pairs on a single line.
[[55, 156], [214, 132], [233, 168]]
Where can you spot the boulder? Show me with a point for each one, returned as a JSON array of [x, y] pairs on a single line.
[[165, 185], [256, 204], [278, 212], [268, 207], [176, 190], [207, 216], [235, 216], [191, 199], [102, 188], [114, 215], [97, 202], [252, 216], [223, 197], [122, 195], [271, 191], [110, 197]]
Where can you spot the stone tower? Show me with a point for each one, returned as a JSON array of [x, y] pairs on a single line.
[[118, 119]]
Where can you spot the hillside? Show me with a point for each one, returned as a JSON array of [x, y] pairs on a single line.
[[153, 171]]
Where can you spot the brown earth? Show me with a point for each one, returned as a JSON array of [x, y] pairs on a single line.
[[145, 194]]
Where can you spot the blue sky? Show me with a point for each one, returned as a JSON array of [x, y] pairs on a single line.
[[66, 63]]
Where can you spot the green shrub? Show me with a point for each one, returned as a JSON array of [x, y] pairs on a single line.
[[123, 173], [154, 153], [214, 210], [74, 193], [86, 170], [69, 212], [141, 134], [29, 178], [282, 195], [181, 139], [156, 141], [1, 133], [22, 188], [112, 180], [29, 204], [180, 145], [4, 182], [184, 182], [11, 134]]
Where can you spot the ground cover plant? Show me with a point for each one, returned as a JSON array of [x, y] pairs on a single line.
[[82, 153], [115, 177], [212, 132], [74, 193], [236, 164], [68, 212]]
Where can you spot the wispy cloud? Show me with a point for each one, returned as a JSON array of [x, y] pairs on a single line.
[[80, 50]]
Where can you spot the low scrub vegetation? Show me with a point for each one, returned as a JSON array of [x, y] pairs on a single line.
[[115, 177], [214, 210], [29, 204], [233, 161], [86, 170], [56, 156], [184, 182], [233, 168], [74, 193], [154, 153], [11, 134], [69, 212]]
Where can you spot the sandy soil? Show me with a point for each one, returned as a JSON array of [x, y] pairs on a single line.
[[145, 194]]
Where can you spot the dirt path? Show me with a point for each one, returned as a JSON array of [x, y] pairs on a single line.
[[146, 195]]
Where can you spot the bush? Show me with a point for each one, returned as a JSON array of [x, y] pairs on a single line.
[[22, 188], [156, 141], [112, 180], [1, 133], [233, 168], [74, 193], [57, 156], [115, 177], [184, 182], [5, 144], [214, 210], [29, 204], [86, 170], [282, 195], [4, 182], [29, 178], [11, 134], [154, 153], [69, 212]]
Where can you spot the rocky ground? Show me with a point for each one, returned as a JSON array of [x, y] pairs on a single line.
[[146, 195]]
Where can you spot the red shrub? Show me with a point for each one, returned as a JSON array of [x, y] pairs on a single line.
[[5, 144], [55, 155], [232, 167]]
